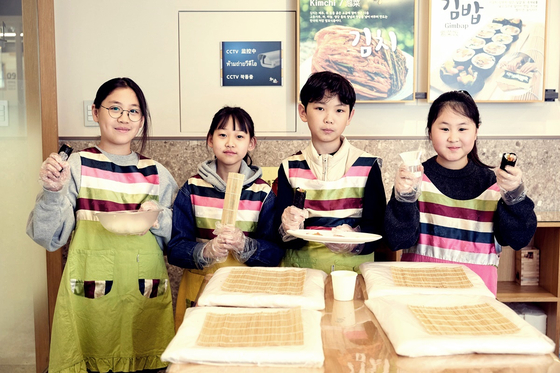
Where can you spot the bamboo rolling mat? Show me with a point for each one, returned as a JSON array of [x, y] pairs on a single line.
[[454, 277], [478, 319], [231, 200], [258, 280], [255, 329]]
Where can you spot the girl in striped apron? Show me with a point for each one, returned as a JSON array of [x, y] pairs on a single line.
[[199, 244], [113, 311], [459, 210]]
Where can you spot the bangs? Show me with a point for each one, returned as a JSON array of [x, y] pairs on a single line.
[[239, 123]]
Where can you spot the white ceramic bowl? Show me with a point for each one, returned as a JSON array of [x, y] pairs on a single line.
[[132, 222]]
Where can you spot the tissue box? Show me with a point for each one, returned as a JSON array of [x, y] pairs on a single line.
[[530, 313], [527, 266]]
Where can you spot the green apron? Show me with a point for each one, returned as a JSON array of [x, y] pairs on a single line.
[[316, 255], [120, 329]]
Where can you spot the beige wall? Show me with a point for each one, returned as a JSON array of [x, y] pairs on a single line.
[[143, 44]]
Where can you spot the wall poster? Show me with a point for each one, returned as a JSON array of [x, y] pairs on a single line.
[[494, 49], [370, 42], [251, 63]]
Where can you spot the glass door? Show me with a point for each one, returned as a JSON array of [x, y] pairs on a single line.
[[24, 323]]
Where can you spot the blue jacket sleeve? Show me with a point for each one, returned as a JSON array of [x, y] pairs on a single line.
[[268, 253], [182, 245]]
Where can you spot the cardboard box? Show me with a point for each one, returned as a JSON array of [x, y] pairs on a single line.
[[527, 266], [530, 313]]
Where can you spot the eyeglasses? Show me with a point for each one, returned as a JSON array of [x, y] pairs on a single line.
[[465, 92], [116, 112]]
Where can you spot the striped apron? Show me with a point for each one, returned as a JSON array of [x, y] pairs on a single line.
[[113, 310]]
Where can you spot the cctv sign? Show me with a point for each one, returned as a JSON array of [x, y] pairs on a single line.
[[251, 63]]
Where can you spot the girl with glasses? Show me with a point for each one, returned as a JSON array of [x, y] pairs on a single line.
[[458, 210], [113, 311]]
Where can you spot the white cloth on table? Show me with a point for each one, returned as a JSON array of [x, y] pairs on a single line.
[[255, 295], [184, 348], [379, 279], [410, 337]]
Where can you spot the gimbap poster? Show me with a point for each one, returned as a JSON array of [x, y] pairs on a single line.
[[370, 42], [493, 49]]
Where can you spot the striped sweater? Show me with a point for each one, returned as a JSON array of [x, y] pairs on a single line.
[[106, 186], [198, 207], [331, 203], [456, 230]]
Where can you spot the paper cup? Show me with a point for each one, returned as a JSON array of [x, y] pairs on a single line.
[[343, 314], [343, 283], [412, 160]]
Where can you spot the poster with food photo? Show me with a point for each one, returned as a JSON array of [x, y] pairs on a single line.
[[370, 42], [493, 49]]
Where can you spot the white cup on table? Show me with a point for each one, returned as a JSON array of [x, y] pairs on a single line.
[[343, 283]]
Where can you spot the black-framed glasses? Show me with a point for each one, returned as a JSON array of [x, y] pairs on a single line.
[[116, 112], [465, 92]]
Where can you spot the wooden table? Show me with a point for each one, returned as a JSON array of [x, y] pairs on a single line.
[[357, 344]]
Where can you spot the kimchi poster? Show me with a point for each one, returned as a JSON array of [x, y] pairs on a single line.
[[493, 49], [370, 42]]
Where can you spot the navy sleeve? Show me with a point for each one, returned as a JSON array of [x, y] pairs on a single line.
[[515, 225], [402, 224], [268, 252], [183, 233], [374, 204]]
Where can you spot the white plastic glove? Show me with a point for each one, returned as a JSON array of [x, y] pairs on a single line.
[[149, 206], [345, 248], [292, 218], [228, 238], [511, 184], [407, 184], [54, 173]]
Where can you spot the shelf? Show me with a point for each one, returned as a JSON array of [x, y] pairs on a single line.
[[510, 291]]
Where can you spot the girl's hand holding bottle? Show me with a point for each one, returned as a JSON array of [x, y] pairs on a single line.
[[54, 173], [407, 183], [511, 184]]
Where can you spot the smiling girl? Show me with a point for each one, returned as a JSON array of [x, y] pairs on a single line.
[[459, 208], [198, 243], [114, 310]]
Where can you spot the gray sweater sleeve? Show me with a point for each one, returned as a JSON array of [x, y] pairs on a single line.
[[53, 219], [167, 191]]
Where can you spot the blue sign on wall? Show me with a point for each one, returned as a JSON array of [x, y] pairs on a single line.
[[251, 63]]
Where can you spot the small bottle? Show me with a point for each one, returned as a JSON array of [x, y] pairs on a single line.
[[65, 151]]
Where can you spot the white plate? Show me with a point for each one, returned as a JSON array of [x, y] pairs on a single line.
[[329, 237], [406, 91]]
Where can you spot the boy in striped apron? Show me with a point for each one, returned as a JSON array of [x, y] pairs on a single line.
[[343, 184]]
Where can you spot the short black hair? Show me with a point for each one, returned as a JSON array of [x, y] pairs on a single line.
[[327, 84]]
